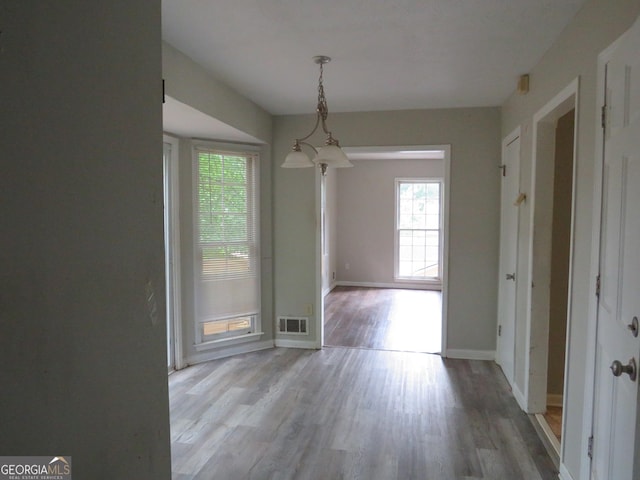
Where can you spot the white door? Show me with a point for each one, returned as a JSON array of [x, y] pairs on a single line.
[[508, 256], [619, 302]]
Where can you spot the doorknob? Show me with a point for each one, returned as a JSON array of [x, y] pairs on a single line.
[[618, 369], [511, 276]]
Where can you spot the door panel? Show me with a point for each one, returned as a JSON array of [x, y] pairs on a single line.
[[508, 258], [615, 396]]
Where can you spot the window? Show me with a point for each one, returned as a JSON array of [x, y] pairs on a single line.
[[418, 229], [227, 250]]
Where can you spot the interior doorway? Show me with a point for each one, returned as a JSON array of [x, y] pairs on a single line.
[[551, 222], [559, 276], [360, 245]]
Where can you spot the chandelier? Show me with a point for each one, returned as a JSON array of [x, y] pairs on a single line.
[[329, 155]]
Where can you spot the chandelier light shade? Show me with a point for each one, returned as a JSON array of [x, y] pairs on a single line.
[[329, 155], [297, 159]]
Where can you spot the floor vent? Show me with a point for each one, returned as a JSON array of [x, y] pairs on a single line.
[[293, 325]]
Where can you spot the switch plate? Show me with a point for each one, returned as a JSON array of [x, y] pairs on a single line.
[[308, 308]]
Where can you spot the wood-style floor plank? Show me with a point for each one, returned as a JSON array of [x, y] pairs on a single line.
[[351, 414], [384, 319]]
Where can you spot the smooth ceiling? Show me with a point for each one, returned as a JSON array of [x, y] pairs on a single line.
[[405, 54]]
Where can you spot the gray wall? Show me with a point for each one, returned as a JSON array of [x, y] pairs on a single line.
[[192, 85], [83, 343], [366, 217], [473, 134], [574, 54]]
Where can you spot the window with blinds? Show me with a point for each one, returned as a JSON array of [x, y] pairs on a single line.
[[418, 229], [227, 247]]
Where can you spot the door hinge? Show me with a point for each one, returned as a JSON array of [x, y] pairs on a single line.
[[603, 116], [598, 286], [499, 330], [504, 170], [164, 100], [590, 447]]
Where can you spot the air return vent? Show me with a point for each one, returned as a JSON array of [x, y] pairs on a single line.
[[293, 325]]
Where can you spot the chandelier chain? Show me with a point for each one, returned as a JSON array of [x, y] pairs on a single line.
[[322, 108]]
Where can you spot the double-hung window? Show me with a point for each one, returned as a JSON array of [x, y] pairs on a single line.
[[418, 230], [227, 247]]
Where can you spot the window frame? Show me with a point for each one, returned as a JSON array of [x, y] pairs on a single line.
[[203, 341], [434, 281]]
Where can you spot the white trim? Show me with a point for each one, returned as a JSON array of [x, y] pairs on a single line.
[[554, 399], [420, 152], [174, 280], [519, 396], [445, 246], [410, 286], [548, 433], [535, 385], [470, 354], [227, 341], [328, 290], [564, 473], [224, 352], [286, 343], [319, 294]]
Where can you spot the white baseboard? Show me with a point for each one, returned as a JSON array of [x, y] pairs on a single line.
[[551, 438], [564, 473], [327, 291], [519, 397], [285, 342], [554, 399], [229, 351], [471, 354], [411, 286]]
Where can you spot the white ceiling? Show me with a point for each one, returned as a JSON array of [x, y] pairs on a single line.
[[387, 55]]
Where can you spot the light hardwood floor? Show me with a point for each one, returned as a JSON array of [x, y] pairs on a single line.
[[553, 416], [344, 413], [384, 319]]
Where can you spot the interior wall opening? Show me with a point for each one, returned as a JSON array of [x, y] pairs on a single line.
[[367, 304], [550, 261]]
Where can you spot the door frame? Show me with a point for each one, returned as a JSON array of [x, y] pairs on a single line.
[[319, 294], [171, 181], [539, 253], [516, 134]]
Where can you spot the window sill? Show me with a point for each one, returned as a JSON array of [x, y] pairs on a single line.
[[434, 281], [225, 342]]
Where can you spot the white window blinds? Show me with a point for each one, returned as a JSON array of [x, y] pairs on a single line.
[[418, 229], [227, 249]]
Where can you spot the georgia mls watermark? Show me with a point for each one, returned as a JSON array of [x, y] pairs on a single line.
[[35, 468]]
